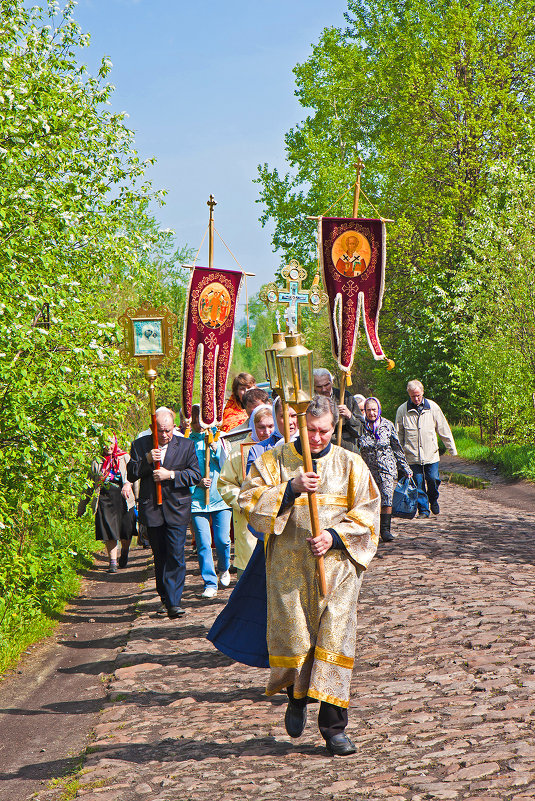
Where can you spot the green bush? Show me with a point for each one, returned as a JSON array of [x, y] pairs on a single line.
[[38, 574]]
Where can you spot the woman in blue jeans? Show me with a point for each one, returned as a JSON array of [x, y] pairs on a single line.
[[217, 512]]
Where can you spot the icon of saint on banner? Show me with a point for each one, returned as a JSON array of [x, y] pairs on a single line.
[[214, 305], [147, 337], [351, 253]]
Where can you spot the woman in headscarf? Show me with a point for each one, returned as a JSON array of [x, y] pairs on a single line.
[[381, 450], [115, 502], [239, 631], [262, 423], [264, 445]]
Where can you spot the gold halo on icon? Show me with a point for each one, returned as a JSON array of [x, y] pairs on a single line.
[[351, 253], [214, 305]]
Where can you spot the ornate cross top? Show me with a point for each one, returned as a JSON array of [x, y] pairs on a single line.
[[293, 297], [211, 203]]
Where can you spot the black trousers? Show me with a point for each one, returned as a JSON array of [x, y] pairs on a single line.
[[167, 543], [331, 719]]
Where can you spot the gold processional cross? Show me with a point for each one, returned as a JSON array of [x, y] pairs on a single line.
[[293, 297]]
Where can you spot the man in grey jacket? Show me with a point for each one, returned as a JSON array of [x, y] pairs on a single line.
[[418, 421]]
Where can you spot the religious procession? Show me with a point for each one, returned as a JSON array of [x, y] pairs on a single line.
[[267, 492], [306, 474]]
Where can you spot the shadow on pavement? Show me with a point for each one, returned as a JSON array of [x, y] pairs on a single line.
[[492, 539], [170, 750], [191, 659]]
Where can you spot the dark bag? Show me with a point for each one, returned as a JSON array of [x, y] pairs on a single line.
[[405, 503]]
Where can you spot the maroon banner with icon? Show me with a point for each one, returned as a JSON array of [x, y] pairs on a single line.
[[353, 257], [208, 338]]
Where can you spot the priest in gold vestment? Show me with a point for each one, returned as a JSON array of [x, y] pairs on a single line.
[[312, 640]]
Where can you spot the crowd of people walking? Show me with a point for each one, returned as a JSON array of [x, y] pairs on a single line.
[[247, 484]]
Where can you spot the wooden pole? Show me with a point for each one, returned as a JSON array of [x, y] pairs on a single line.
[[359, 165], [208, 434], [192, 266], [343, 375], [211, 203], [285, 420], [151, 376], [312, 500], [343, 380], [207, 441]]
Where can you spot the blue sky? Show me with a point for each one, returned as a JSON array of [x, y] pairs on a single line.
[[209, 90]]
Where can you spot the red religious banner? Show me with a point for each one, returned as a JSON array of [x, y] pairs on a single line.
[[209, 336], [353, 257]]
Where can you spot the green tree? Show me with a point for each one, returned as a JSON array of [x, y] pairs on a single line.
[[428, 93], [498, 347], [76, 246]]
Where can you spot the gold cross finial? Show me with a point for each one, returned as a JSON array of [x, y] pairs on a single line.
[[211, 203]]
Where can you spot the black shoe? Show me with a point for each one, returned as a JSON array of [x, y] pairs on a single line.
[[435, 508], [387, 536], [112, 568], [295, 719], [340, 745], [123, 560], [175, 611]]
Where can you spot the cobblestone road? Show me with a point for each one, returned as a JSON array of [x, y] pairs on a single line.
[[442, 704]]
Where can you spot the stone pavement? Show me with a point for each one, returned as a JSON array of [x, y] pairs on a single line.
[[442, 704]]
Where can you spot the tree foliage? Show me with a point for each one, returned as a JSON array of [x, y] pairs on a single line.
[[429, 94], [497, 367], [77, 245]]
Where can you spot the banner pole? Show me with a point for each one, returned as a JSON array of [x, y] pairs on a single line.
[[211, 203], [207, 441], [359, 165], [151, 376], [343, 375], [343, 380], [208, 434]]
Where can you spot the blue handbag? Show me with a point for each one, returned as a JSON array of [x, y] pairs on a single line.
[[405, 502]]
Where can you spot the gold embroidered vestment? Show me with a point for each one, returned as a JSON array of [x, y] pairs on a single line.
[[312, 640]]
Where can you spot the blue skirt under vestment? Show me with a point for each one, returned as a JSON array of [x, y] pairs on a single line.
[[239, 631]]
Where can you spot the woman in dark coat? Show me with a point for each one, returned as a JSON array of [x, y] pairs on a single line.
[[381, 450], [115, 502]]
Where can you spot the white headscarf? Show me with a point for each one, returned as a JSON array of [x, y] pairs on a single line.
[[254, 435]]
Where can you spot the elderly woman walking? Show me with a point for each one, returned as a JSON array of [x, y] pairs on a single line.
[[114, 501], [381, 450]]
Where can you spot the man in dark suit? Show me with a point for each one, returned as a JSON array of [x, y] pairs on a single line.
[[166, 524]]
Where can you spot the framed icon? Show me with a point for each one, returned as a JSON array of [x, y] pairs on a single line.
[[148, 335]]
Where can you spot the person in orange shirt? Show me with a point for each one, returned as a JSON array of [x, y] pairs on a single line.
[[234, 413]]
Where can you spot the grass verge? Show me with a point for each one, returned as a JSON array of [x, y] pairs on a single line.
[[37, 584], [514, 461]]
